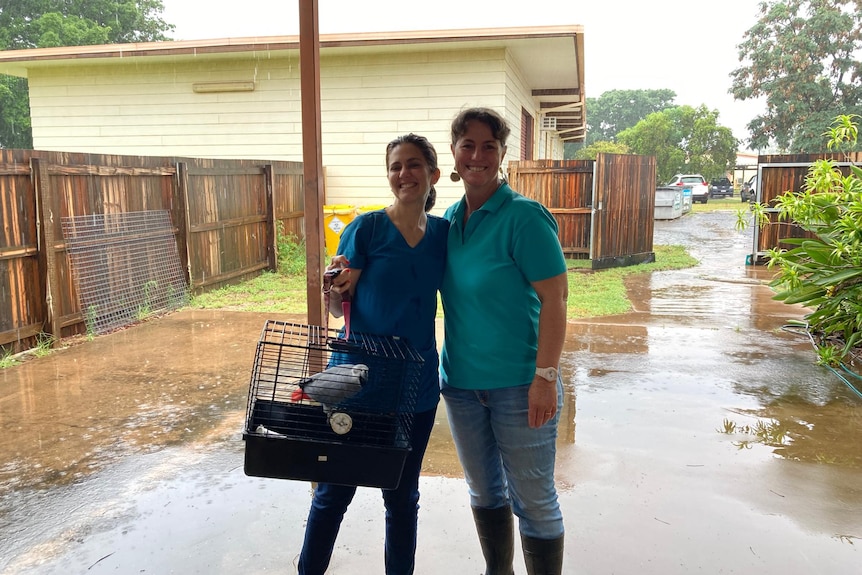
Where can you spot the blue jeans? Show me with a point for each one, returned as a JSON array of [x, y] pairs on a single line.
[[330, 502], [505, 461]]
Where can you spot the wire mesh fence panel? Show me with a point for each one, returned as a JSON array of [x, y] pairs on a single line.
[[126, 267], [328, 409]]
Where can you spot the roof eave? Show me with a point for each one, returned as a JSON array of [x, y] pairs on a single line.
[[566, 103]]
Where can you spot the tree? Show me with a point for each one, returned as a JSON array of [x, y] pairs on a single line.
[[684, 139], [51, 23], [802, 56], [14, 113], [710, 149], [617, 110], [603, 147], [122, 21], [656, 136]]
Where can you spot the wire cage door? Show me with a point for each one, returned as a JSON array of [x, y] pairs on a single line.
[[332, 410]]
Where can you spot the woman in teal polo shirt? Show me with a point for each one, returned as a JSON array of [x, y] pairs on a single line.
[[504, 300]]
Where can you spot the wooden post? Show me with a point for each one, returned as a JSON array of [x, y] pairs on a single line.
[[181, 193], [185, 227], [45, 217], [271, 233], [312, 161]]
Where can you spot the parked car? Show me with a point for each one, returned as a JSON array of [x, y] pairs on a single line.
[[749, 189], [721, 188], [697, 183]]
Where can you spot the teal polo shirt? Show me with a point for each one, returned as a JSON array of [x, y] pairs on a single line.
[[491, 312]]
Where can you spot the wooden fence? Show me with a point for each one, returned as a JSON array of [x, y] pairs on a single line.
[[777, 174], [604, 207], [225, 213]]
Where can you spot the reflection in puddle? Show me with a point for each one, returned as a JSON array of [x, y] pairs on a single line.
[[78, 410], [804, 429]]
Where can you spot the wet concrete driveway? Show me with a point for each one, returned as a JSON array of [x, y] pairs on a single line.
[[697, 436]]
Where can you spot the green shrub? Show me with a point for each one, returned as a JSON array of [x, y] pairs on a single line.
[[825, 273], [291, 252]]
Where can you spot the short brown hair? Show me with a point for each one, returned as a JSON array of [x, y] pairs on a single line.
[[499, 127]]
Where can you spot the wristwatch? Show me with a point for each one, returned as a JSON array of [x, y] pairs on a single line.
[[549, 373]]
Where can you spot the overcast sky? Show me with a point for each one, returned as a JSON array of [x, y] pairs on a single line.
[[688, 47]]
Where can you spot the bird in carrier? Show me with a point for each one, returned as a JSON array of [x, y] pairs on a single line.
[[333, 386], [330, 409]]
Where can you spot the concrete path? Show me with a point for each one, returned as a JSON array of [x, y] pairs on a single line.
[[698, 436]]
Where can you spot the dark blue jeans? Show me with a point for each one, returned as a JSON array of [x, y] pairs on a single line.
[[330, 502]]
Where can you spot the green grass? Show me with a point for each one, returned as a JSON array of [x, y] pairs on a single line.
[[7, 359], [713, 205], [591, 293], [268, 292], [603, 292], [44, 346], [282, 292]]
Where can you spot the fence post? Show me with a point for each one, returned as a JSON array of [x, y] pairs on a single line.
[[271, 233], [184, 227], [45, 214]]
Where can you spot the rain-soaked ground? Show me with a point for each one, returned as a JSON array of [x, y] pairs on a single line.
[[697, 436]]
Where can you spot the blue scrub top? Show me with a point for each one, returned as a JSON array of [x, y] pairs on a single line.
[[397, 292]]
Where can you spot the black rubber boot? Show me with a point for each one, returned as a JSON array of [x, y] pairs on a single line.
[[496, 536], [543, 556]]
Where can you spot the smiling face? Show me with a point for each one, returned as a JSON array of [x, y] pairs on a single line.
[[478, 157], [410, 176]]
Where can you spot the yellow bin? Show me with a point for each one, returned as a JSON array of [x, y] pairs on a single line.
[[335, 219], [369, 208]]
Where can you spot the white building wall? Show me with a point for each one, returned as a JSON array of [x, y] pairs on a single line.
[[150, 108], [367, 102], [518, 96], [546, 145]]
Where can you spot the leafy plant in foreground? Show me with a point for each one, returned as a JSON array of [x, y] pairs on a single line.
[[824, 273]]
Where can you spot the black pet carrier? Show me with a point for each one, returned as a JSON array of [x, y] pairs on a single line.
[[328, 409]]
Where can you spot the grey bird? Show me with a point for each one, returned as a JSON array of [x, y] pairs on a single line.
[[335, 384]]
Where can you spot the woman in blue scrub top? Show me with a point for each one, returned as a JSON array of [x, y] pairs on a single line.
[[396, 258], [504, 306]]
